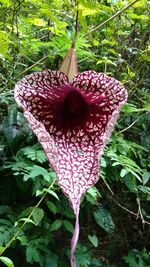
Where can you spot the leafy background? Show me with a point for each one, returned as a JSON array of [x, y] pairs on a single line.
[[114, 217]]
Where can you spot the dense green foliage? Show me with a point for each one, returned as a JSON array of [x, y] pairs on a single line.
[[114, 217]]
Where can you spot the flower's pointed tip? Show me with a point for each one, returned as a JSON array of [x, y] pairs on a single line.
[[69, 65]]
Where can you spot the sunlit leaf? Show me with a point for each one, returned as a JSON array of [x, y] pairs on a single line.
[[94, 240], [6, 261]]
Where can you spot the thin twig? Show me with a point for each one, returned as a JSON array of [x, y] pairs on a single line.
[[39, 61], [108, 186], [111, 18], [124, 208], [23, 72], [139, 209], [30, 215], [133, 122]]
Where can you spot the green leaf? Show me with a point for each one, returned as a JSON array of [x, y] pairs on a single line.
[[7, 261], [52, 193], [103, 162], [4, 44], [32, 254], [51, 260], [88, 10], [34, 153], [29, 254], [68, 226], [130, 259], [138, 17], [103, 218], [25, 220], [51, 206], [129, 108], [6, 2], [145, 177], [123, 172], [144, 189], [38, 171], [56, 225], [130, 182], [94, 240], [15, 128], [38, 22], [130, 73], [92, 195], [23, 240], [38, 215]]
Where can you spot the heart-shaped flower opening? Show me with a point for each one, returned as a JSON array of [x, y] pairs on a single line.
[[73, 121]]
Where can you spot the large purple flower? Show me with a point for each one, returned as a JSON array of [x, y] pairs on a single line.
[[73, 121]]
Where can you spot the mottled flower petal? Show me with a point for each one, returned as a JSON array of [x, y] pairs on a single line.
[[73, 121], [74, 152]]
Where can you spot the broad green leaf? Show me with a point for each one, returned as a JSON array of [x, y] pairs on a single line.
[[92, 195], [51, 260], [103, 162], [56, 225], [103, 218], [52, 207], [4, 44], [130, 182], [52, 193], [7, 261], [138, 17], [32, 254], [94, 240], [129, 108], [68, 226], [36, 21], [146, 57], [38, 215], [88, 11], [145, 177], [29, 254]]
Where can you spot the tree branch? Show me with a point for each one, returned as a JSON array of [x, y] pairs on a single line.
[[133, 122], [111, 18]]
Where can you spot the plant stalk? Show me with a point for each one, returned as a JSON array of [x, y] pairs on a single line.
[[111, 18], [30, 215]]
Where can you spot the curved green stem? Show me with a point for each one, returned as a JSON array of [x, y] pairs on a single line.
[[111, 18], [30, 215]]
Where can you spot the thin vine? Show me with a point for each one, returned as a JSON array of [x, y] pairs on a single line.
[[111, 18], [28, 218]]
